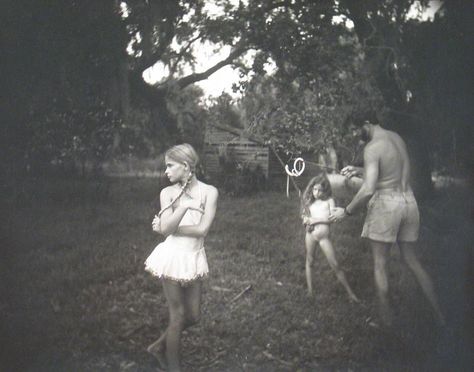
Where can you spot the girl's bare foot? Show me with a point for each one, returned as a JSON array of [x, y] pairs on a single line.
[[354, 298], [158, 352]]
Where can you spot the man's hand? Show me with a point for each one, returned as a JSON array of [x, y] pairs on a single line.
[[352, 171], [337, 214]]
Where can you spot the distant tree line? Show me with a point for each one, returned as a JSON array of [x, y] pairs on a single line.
[[73, 88]]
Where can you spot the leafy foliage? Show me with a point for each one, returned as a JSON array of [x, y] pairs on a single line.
[[184, 105], [438, 57], [89, 51], [302, 117], [72, 137], [61, 58], [223, 110]]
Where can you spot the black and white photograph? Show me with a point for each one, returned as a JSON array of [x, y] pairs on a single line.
[[237, 185]]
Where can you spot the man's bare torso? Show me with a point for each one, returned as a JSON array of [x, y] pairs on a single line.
[[390, 151]]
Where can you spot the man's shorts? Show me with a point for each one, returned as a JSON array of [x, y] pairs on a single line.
[[392, 216]]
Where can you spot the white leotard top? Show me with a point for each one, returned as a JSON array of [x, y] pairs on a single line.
[[191, 217]]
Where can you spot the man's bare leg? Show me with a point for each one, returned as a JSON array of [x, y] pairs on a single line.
[[380, 251], [407, 251]]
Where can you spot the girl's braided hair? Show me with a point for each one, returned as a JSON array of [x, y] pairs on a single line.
[[181, 192], [182, 153]]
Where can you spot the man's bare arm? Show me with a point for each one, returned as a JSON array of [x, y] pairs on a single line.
[[371, 174]]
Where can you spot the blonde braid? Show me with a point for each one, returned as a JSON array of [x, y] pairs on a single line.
[[183, 188]]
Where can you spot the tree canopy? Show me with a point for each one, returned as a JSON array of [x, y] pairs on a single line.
[[68, 62]]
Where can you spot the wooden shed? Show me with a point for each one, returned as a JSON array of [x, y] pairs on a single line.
[[246, 149], [252, 151]]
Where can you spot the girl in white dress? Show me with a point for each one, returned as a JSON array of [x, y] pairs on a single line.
[[188, 210], [317, 205]]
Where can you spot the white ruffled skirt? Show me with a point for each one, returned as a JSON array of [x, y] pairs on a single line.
[[182, 259]]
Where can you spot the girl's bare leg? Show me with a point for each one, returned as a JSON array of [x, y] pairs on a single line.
[[310, 246], [175, 296], [185, 301], [328, 250], [157, 349], [192, 303]]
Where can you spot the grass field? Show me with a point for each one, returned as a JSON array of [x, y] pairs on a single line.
[[75, 296]]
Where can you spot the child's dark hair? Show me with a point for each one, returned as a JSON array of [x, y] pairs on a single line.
[[307, 198]]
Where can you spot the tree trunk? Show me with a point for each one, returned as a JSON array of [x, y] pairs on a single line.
[[124, 88], [163, 126]]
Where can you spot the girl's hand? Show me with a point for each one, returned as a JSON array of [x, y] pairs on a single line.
[[156, 224], [192, 204]]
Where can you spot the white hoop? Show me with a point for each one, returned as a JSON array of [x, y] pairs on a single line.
[[297, 169]]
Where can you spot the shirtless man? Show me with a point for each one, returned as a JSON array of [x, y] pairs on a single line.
[[392, 212]]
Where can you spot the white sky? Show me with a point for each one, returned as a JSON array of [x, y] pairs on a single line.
[[218, 82], [428, 13], [207, 55], [222, 80]]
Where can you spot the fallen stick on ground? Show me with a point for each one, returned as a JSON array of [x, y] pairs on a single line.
[[132, 331], [220, 289], [272, 357], [245, 290], [208, 363]]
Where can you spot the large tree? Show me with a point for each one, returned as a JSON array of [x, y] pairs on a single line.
[[58, 61], [440, 54], [414, 65], [380, 27], [76, 53]]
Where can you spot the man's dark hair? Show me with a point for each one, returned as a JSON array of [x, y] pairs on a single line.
[[361, 118]]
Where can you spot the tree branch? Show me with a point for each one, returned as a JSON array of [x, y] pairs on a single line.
[[150, 58], [181, 54], [193, 78], [154, 93]]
